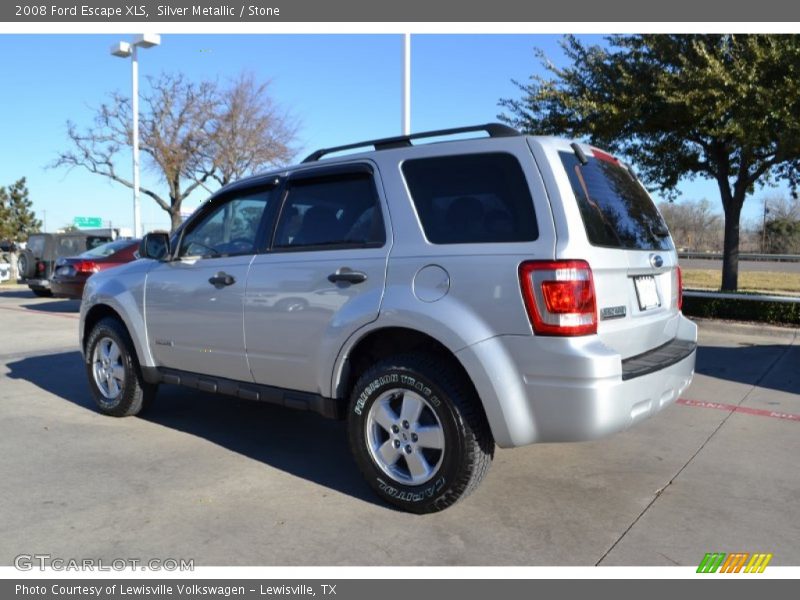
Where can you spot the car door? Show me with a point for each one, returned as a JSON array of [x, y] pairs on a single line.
[[193, 303], [322, 278]]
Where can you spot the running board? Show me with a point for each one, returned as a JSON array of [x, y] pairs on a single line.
[[330, 408]]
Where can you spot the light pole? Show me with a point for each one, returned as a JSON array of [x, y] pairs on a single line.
[[125, 50], [764, 228], [405, 119]]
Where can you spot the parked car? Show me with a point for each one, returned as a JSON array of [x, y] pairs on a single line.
[[36, 264], [444, 298], [71, 273]]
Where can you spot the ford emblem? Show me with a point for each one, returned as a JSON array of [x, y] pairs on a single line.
[[656, 261]]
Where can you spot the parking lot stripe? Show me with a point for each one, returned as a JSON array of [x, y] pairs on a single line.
[[740, 409], [42, 312]]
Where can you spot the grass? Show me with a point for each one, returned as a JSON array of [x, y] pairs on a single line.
[[749, 281]]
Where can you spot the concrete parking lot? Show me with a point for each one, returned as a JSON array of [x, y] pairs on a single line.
[[227, 482]]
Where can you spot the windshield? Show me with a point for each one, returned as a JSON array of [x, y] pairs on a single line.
[[107, 249], [617, 212]]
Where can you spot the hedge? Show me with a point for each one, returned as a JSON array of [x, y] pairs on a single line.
[[784, 313]]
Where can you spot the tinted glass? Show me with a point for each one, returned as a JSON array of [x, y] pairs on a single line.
[[108, 249], [230, 229], [342, 210], [36, 245], [471, 198], [617, 212], [70, 246]]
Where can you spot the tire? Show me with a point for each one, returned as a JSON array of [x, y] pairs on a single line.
[[42, 292], [113, 371], [423, 463], [25, 264]]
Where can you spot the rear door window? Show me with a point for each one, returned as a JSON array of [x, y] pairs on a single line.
[[329, 212], [471, 198], [617, 212]]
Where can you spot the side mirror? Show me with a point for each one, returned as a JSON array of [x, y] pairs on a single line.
[[155, 245]]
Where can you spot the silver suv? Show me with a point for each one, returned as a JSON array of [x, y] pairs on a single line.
[[442, 297]]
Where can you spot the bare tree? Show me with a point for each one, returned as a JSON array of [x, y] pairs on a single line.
[[781, 207], [190, 133], [693, 224], [250, 132]]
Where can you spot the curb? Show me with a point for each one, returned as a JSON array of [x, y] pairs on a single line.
[[789, 332]]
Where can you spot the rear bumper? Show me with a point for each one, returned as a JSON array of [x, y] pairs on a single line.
[[537, 389], [67, 289], [40, 284]]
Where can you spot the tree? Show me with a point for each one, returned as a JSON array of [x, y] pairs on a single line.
[[782, 236], [184, 137], [781, 227], [724, 107], [17, 220], [694, 225], [249, 133]]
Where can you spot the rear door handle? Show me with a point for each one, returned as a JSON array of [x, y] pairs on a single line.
[[221, 280], [347, 274]]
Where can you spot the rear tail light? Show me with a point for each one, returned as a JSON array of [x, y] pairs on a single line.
[[559, 297], [677, 283], [86, 266], [40, 266]]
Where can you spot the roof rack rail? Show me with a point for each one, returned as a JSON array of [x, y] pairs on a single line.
[[402, 141]]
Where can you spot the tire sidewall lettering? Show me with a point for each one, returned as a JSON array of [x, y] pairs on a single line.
[[393, 378], [425, 493]]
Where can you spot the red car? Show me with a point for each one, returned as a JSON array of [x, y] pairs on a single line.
[[71, 273]]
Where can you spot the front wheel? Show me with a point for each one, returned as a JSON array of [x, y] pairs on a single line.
[[418, 434], [113, 370]]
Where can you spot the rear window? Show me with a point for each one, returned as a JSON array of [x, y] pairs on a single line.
[[107, 249], [36, 245], [471, 198], [617, 212]]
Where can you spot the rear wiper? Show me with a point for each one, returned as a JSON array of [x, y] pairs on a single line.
[[660, 231]]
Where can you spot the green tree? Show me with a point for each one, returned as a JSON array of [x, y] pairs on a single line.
[[783, 236], [17, 220], [722, 107]]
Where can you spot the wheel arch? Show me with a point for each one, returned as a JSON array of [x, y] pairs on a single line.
[[381, 342], [100, 311]]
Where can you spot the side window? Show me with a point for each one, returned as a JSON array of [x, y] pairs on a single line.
[[340, 211], [471, 198], [229, 230]]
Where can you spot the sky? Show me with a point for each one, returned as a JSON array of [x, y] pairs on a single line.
[[339, 89]]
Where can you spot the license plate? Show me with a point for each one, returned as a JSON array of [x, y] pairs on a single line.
[[646, 292]]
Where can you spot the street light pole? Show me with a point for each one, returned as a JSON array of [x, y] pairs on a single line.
[[130, 50], [405, 119], [137, 211]]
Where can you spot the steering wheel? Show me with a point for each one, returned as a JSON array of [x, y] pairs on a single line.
[[244, 243], [212, 251]]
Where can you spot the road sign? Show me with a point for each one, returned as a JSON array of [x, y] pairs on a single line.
[[88, 222]]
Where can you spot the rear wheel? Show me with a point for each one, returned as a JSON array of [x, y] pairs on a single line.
[[42, 292], [418, 434], [113, 370]]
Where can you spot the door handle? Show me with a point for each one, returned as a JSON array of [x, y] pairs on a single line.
[[221, 280], [347, 274]]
